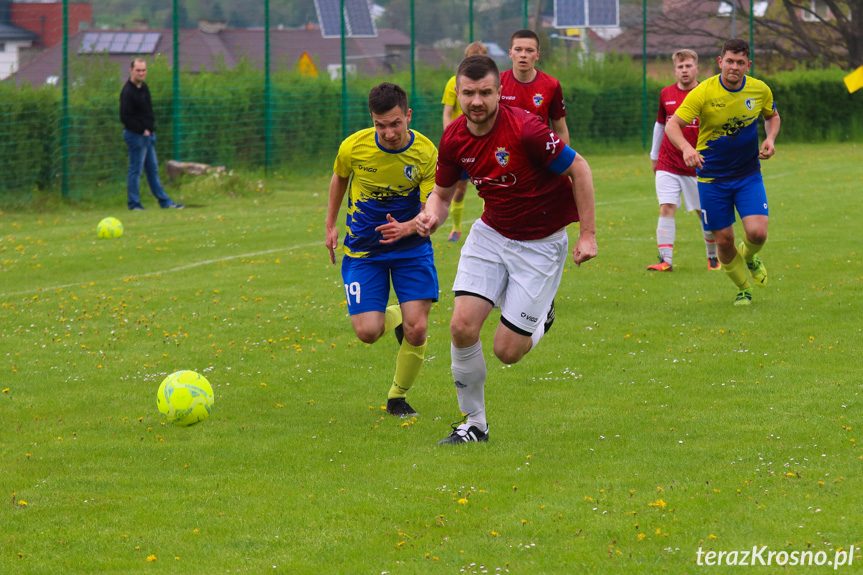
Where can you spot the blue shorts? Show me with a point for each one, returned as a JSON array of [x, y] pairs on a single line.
[[718, 200], [464, 176], [367, 282]]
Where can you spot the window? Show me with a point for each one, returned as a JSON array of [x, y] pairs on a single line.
[[819, 8]]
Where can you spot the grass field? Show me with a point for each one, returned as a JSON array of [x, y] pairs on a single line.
[[655, 420]]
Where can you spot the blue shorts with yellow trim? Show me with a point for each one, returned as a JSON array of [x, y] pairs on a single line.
[[719, 199], [367, 281]]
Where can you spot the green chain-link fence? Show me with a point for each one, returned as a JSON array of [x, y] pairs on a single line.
[[215, 104]]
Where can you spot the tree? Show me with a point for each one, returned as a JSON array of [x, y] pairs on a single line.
[[819, 32]]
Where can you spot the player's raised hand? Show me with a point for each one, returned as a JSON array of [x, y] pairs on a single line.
[[584, 250], [393, 230], [332, 240]]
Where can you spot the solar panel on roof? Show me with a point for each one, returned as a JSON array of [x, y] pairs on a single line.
[[119, 42], [88, 42], [586, 13], [358, 18], [148, 44], [329, 19], [603, 13]]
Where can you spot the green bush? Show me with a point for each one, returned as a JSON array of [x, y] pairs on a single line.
[[224, 121]]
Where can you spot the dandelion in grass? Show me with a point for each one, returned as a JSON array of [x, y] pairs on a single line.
[[151, 558]]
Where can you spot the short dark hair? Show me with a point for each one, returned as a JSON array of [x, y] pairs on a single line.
[[524, 34], [386, 96], [136, 59], [737, 46], [478, 67]]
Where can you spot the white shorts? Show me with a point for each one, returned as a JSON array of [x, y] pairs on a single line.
[[522, 275], [670, 187]]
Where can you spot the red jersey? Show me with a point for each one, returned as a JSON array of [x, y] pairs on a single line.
[[670, 158], [542, 96], [524, 200]]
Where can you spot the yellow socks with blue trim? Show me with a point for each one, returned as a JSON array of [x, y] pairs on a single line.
[[736, 271], [408, 365], [456, 213]]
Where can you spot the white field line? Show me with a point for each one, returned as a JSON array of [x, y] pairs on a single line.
[[169, 270]]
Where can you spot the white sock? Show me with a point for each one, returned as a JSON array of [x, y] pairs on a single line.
[[665, 232], [710, 243], [540, 331], [469, 374]]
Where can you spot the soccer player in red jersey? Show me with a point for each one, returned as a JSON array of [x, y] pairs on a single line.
[[533, 185], [673, 177], [527, 88]]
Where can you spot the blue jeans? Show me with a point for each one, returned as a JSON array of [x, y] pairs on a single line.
[[142, 156]]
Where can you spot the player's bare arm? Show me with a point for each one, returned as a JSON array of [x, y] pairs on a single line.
[[674, 131], [448, 109], [771, 128], [395, 230], [560, 128], [582, 189], [436, 210], [338, 187]]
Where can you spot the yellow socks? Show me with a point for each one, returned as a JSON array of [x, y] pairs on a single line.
[[749, 249], [736, 271], [408, 365], [392, 318], [456, 212]]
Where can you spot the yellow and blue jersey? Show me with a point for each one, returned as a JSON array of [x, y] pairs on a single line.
[[395, 182], [728, 134]]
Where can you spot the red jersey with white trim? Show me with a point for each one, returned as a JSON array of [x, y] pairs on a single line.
[[524, 200], [543, 96], [670, 158]]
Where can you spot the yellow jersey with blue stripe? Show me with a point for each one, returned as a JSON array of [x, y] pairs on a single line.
[[728, 133], [395, 182]]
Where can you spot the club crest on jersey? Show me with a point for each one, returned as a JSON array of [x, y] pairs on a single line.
[[750, 103], [537, 100], [411, 172], [502, 157]]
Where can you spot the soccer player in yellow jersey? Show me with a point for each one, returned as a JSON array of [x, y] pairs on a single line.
[[389, 170], [451, 111], [727, 161]]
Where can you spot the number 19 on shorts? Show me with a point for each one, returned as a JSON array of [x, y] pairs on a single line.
[[353, 289]]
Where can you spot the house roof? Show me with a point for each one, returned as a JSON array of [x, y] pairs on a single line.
[[10, 32], [696, 26], [199, 49]]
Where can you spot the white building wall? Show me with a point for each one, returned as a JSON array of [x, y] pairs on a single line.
[[9, 56]]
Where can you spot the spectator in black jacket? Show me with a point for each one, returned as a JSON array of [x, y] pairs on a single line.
[[136, 113]]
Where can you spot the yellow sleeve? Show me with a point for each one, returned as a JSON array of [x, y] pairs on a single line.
[[428, 173], [769, 105], [692, 104], [449, 95], [342, 165]]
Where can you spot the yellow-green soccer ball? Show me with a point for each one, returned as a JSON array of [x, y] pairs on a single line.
[[109, 228], [185, 398]]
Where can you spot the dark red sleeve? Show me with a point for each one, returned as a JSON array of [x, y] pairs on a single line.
[[662, 115], [448, 172], [557, 110], [541, 143]]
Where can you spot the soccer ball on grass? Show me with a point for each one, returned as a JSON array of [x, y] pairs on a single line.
[[109, 228], [185, 398]]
